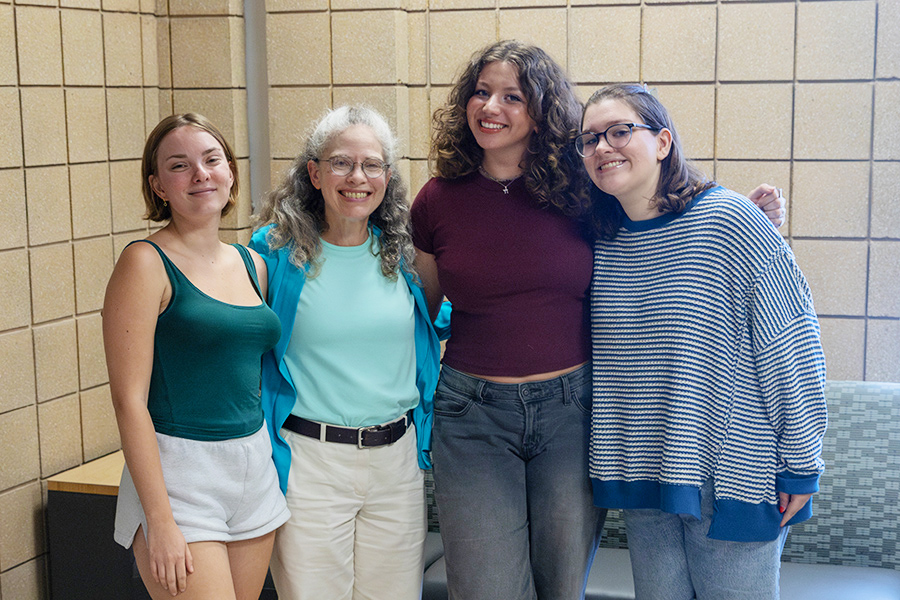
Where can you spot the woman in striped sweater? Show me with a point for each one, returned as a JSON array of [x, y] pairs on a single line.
[[709, 376]]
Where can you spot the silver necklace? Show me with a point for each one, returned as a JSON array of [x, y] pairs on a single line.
[[504, 182]]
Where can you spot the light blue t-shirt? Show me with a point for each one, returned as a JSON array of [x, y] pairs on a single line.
[[352, 355]]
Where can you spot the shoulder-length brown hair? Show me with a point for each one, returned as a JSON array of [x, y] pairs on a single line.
[[552, 171], [157, 208]]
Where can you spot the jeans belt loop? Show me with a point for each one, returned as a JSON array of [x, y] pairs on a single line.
[[323, 430]]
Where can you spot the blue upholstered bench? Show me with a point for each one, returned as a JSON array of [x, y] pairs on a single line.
[[848, 551]]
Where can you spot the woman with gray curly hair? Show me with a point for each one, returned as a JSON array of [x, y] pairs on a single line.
[[354, 370]]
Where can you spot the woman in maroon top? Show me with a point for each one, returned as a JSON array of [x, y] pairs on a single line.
[[504, 231]]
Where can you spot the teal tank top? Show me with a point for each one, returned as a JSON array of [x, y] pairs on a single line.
[[207, 356]]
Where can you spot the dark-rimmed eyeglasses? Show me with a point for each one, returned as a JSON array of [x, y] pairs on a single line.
[[617, 136], [343, 166]]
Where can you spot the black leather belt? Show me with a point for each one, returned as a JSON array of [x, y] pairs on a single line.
[[364, 437]]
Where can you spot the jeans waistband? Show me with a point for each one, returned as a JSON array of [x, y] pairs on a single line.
[[484, 389]]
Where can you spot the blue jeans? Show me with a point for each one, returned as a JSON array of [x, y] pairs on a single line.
[[672, 559], [512, 489]]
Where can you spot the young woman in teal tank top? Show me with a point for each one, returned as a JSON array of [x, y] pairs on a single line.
[[185, 325]]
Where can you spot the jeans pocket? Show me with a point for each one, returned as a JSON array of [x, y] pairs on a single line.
[[450, 403], [582, 398]]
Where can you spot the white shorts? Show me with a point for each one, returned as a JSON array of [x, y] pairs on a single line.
[[222, 491]]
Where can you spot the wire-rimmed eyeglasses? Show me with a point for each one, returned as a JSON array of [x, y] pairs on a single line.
[[343, 166], [617, 136]]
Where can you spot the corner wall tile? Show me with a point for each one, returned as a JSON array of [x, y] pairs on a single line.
[[419, 123], [22, 526], [59, 423], [593, 58], [19, 457], [11, 132], [98, 423], [39, 50], [47, 198], [56, 359], [43, 125], [679, 43], [745, 110], [885, 208], [149, 51], [383, 34], [163, 51], [448, 56], [93, 266], [884, 279], [822, 107], [13, 234], [91, 356], [85, 114], [887, 126], [756, 42], [836, 271], [835, 40], [14, 290], [52, 282], [843, 341], [89, 190], [290, 63], [543, 27], [883, 350], [417, 42], [122, 50], [888, 53], [17, 358], [830, 199]]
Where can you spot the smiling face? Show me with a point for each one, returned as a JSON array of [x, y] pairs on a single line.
[[350, 199], [498, 115], [192, 173], [631, 174]]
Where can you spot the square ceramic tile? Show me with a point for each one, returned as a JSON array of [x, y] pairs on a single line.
[[39, 47], [95, 4], [543, 27], [836, 271], [11, 132], [884, 279], [125, 115], [844, 342], [592, 57], [43, 125], [290, 63], [124, 62], [15, 290], [679, 43], [207, 52], [756, 42], [122, 5], [127, 199], [226, 108], [28, 580], [19, 455], [93, 266], [885, 207], [844, 107], [149, 52], [56, 359], [47, 197], [836, 40], [22, 526], [754, 121], [448, 56], [887, 125], [292, 114], [692, 108], [85, 124], [391, 102], [9, 70], [744, 176], [52, 282], [59, 424], [91, 355], [382, 34], [17, 358], [883, 350], [14, 232], [98, 423], [89, 189], [830, 199], [888, 52]]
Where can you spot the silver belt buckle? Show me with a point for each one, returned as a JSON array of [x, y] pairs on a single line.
[[362, 430]]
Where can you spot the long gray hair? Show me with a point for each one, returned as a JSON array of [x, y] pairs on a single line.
[[297, 208]]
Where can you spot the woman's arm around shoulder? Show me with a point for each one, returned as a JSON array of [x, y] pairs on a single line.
[[137, 292], [426, 267]]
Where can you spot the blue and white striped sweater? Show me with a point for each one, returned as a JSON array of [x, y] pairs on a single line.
[[707, 363]]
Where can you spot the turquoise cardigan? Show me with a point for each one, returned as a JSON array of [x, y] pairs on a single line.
[[278, 393]]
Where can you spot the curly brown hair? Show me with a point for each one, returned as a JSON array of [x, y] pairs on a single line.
[[679, 180], [552, 170], [297, 208], [157, 208]]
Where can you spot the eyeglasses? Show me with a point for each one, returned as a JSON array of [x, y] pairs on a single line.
[[617, 136], [343, 166]]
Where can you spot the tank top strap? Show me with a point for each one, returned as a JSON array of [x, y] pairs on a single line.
[[251, 268], [175, 276]]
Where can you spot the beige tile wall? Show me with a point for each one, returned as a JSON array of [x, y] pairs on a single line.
[[82, 82], [799, 93]]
